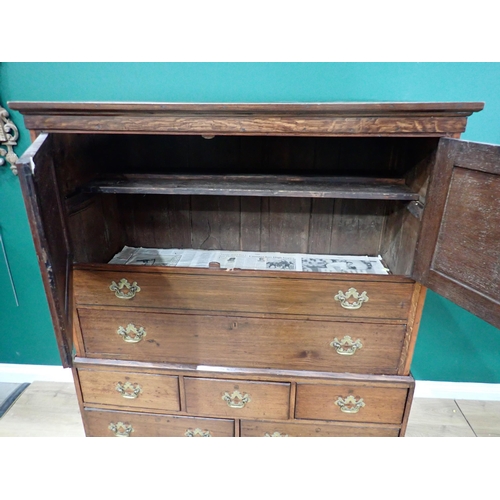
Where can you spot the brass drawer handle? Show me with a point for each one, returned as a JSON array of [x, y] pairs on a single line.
[[359, 298], [197, 433], [120, 429], [349, 404], [236, 399], [346, 346], [275, 434], [131, 333], [130, 289], [129, 390]]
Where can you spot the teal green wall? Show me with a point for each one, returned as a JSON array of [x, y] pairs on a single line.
[[453, 345]]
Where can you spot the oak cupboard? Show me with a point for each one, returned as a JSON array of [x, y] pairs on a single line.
[[200, 352]]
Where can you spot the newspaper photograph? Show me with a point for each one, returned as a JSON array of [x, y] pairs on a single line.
[[343, 264], [276, 261]]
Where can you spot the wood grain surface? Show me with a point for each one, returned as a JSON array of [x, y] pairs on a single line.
[[37, 176], [254, 119], [159, 392], [458, 254], [243, 341], [382, 404], [231, 292], [324, 178], [266, 399], [246, 185], [146, 425], [252, 428]]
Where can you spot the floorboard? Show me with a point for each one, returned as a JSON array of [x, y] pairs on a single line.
[[50, 409], [44, 409], [437, 418], [482, 416]]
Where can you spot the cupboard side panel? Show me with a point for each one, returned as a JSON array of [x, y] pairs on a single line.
[[402, 227], [95, 228], [399, 239]]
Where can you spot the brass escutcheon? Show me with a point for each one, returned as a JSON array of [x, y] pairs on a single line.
[[197, 433], [131, 289], [128, 390], [275, 434], [346, 346], [236, 399], [131, 333], [359, 298], [349, 404], [120, 429]]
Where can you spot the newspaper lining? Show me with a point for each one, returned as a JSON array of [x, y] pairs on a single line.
[[276, 261]]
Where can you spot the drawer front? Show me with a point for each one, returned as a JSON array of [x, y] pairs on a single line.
[[289, 429], [240, 293], [103, 423], [133, 390], [351, 403], [237, 398], [243, 342]]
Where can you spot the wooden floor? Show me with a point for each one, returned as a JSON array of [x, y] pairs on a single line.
[[50, 409]]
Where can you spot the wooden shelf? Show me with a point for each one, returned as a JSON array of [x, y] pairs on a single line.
[[256, 185]]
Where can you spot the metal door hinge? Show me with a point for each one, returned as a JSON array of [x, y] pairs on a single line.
[[416, 208]]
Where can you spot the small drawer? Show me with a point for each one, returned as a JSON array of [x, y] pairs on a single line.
[[237, 398], [256, 292], [336, 346], [350, 403], [323, 429], [104, 423], [132, 390]]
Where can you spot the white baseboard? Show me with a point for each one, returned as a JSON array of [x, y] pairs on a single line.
[[29, 373], [457, 390]]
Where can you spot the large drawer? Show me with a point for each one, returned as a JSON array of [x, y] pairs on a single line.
[[251, 428], [128, 389], [351, 402], [103, 423], [240, 292], [237, 398], [241, 341]]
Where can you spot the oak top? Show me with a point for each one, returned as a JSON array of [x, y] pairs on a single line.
[[403, 119], [337, 108]]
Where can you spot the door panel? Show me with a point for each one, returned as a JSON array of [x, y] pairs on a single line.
[[458, 254], [48, 227]]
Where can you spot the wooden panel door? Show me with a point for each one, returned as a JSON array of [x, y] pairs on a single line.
[[48, 227], [458, 253]]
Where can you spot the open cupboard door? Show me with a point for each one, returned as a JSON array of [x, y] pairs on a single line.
[[458, 253], [38, 181]]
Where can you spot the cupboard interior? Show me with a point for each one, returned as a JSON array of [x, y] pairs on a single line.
[[103, 216]]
